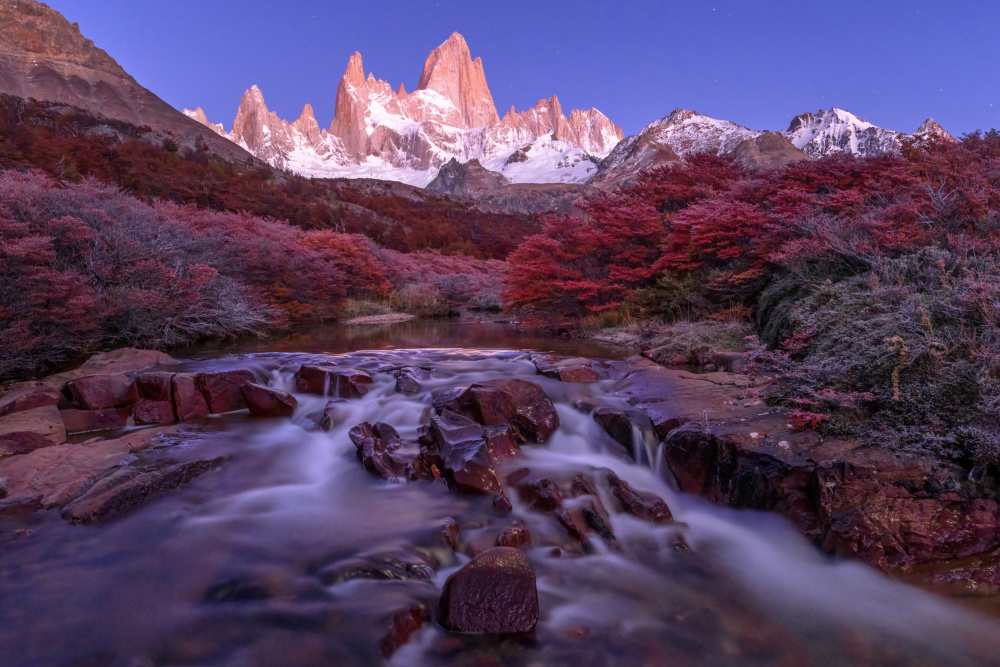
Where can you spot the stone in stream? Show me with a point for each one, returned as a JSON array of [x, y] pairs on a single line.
[[522, 405], [565, 369], [495, 593], [376, 445], [223, 391], [147, 412], [130, 487], [408, 380], [469, 452], [188, 399], [327, 380], [515, 535], [543, 495], [403, 624], [87, 421], [44, 421], [155, 386], [264, 401], [642, 505], [97, 392]]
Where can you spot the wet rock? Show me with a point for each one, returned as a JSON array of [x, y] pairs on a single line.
[[98, 392], [149, 412], [469, 453], [565, 369], [155, 386], [450, 531], [117, 362], [397, 564], [29, 399], [53, 476], [326, 380], [501, 505], [642, 505], [188, 399], [403, 625], [598, 523], [515, 536], [495, 593], [264, 401], [21, 442], [86, 421], [45, 421], [616, 424], [542, 495], [239, 589], [130, 487], [522, 405], [223, 391], [408, 380], [376, 444]]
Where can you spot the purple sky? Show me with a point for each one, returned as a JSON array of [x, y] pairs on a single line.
[[894, 63]]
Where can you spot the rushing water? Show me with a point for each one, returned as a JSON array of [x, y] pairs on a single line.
[[246, 566]]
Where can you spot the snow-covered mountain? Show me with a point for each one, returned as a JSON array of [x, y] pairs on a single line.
[[381, 133], [839, 131]]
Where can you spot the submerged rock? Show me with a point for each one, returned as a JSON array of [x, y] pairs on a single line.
[[495, 593]]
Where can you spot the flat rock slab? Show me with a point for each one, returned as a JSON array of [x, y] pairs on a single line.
[[565, 369], [29, 398], [124, 360], [495, 593], [265, 401], [53, 476], [45, 421]]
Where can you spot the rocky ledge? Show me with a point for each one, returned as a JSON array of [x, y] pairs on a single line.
[[914, 517]]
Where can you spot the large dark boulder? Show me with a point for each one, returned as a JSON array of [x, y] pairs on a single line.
[[469, 453], [495, 593]]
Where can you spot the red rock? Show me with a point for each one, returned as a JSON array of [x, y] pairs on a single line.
[[222, 390], [333, 381], [643, 505], [29, 399], [515, 536], [402, 626], [155, 386], [265, 401], [375, 446], [145, 413], [542, 495], [469, 453], [45, 421], [495, 593], [575, 369], [21, 442], [408, 380], [522, 405], [97, 392], [188, 399], [450, 531], [86, 421]]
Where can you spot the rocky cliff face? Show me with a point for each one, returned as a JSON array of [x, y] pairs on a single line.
[[45, 57], [407, 136]]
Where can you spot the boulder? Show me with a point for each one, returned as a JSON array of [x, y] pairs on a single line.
[[99, 392], [522, 405], [129, 487], [495, 593], [29, 399], [21, 442], [155, 386], [86, 421], [327, 380], [188, 399], [642, 505], [116, 362], [53, 476], [408, 380], [223, 390], [616, 424], [376, 444], [265, 401], [45, 421], [469, 453], [576, 369], [146, 412]]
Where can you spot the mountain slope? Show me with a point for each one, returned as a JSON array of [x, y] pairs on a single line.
[[44, 57]]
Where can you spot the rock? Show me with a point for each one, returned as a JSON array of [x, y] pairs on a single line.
[[146, 412], [21, 442], [127, 488], [402, 626], [117, 362], [376, 444], [469, 453], [408, 380], [29, 399], [188, 399], [393, 565], [495, 593], [730, 362], [565, 369], [617, 425], [155, 386], [642, 505], [86, 421], [53, 476], [333, 381], [223, 391], [265, 401], [98, 392], [542, 495], [45, 421], [450, 531], [522, 405], [515, 536]]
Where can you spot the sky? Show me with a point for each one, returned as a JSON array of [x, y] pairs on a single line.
[[759, 64]]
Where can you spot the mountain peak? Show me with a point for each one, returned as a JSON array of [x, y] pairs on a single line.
[[450, 71], [930, 131], [355, 72]]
